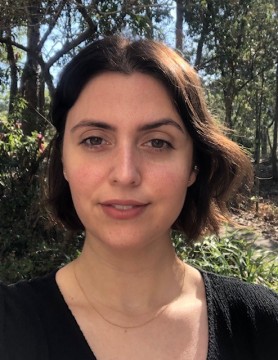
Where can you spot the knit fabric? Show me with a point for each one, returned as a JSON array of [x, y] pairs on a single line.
[[36, 323]]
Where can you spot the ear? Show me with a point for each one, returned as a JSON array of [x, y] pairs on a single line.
[[193, 176], [65, 175], [64, 170]]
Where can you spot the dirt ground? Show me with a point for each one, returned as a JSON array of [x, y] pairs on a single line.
[[262, 218]]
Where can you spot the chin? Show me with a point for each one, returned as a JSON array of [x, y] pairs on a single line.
[[120, 241]]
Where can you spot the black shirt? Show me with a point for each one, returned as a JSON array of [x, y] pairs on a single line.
[[36, 323]]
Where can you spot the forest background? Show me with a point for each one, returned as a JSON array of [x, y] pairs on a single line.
[[232, 44]]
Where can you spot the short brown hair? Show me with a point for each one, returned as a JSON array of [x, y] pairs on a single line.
[[222, 164]]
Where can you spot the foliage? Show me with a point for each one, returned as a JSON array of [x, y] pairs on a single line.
[[235, 48], [231, 255], [36, 36], [28, 247]]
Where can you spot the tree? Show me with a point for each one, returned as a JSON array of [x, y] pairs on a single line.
[[179, 24], [234, 42], [44, 24], [275, 132], [235, 49]]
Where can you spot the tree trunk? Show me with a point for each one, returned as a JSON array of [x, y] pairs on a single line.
[[275, 133], [257, 154], [205, 30], [14, 74], [41, 97], [228, 101], [179, 25], [200, 49], [259, 128], [228, 92], [264, 141], [30, 75]]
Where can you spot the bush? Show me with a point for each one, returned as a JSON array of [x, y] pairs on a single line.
[[27, 247], [231, 255]]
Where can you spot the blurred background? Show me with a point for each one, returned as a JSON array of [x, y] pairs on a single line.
[[233, 46]]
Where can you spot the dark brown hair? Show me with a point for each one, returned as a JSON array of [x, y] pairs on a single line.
[[222, 164]]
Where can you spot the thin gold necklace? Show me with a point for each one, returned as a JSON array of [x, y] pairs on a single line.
[[156, 315]]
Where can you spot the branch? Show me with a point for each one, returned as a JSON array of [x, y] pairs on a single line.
[[134, 7], [52, 23], [270, 124], [269, 141], [47, 76], [87, 18], [251, 78], [68, 46], [14, 43], [40, 115], [206, 63]]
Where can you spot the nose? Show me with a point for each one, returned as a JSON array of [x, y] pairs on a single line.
[[125, 167]]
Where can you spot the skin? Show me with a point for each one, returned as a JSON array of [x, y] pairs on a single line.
[[125, 164], [128, 160]]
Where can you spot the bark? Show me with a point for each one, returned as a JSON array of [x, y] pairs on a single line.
[[229, 92], [200, 48], [83, 11], [264, 141], [205, 30], [275, 133], [41, 96], [228, 100], [179, 25], [259, 129], [14, 75], [30, 75], [257, 154], [229, 96]]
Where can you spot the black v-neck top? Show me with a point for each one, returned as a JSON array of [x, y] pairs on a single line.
[[36, 323]]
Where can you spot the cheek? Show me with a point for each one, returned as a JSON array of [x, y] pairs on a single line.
[[83, 178], [171, 189], [171, 182]]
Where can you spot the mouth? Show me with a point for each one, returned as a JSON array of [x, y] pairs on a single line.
[[123, 204], [123, 209]]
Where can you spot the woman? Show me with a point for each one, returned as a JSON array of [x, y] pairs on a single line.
[[136, 155]]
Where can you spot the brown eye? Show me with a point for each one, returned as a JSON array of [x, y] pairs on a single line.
[[160, 144], [93, 141]]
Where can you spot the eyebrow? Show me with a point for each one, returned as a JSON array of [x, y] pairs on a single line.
[[150, 126], [159, 123], [92, 123]]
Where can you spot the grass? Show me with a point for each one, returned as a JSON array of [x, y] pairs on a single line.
[[231, 255]]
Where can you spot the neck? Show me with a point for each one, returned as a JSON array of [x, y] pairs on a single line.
[[134, 283]]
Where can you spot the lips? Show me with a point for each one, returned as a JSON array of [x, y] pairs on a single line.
[[123, 209]]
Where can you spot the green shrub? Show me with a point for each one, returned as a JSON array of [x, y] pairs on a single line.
[[231, 255], [27, 247]]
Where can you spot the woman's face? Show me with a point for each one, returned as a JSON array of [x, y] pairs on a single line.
[[128, 160]]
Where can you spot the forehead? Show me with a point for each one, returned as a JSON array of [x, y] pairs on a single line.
[[123, 95], [117, 84]]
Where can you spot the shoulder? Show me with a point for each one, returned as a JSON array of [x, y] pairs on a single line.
[[21, 307], [243, 318], [25, 293], [235, 293]]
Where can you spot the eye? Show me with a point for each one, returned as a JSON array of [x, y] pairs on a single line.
[[160, 144], [93, 141]]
